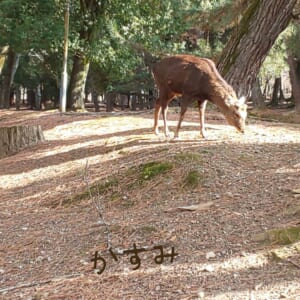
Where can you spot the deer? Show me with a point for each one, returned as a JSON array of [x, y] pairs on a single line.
[[195, 79]]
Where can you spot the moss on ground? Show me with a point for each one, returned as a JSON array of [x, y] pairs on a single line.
[[280, 236]]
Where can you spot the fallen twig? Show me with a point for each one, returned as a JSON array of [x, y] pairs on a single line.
[[98, 207], [31, 284], [293, 263]]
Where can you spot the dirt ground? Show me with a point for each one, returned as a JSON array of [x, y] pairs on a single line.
[[196, 225]]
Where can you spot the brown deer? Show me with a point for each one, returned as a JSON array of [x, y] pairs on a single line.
[[195, 78]]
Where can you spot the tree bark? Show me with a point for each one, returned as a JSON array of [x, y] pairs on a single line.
[[3, 56], [294, 65], [276, 92], [95, 101], [18, 99], [245, 52], [110, 99], [76, 90], [257, 97], [8, 76], [15, 138]]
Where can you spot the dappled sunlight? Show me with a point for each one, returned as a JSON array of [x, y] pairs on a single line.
[[240, 175], [116, 125], [234, 264], [266, 134], [63, 149], [261, 291], [287, 170], [110, 149], [233, 270]]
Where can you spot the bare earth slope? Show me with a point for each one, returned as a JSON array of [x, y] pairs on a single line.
[[211, 200]]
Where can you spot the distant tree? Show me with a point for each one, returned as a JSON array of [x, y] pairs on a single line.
[[107, 32], [22, 31]]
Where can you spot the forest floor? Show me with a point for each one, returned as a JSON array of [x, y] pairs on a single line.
[[184, 219]]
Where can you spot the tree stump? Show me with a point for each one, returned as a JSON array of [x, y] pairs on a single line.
[[15, 138]]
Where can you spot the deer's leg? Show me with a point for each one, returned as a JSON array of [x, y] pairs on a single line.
[[164, 110], [184, 105], [156, 115], [202, 106]]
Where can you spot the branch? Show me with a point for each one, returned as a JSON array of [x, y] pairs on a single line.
[[97, 206]]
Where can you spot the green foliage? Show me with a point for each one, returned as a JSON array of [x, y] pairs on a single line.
[[107, 32], [193, 179], [28, 25], [275, 61], [284, 236], [152, 169], [95, 190], [293, 39]]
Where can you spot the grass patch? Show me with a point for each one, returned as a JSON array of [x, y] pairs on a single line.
[[106, 186], [281, 236], [244, 156], [128, 204], [147, 229], [293, 211], [95, 189], [152, 169], [188, 157], [193, 179]]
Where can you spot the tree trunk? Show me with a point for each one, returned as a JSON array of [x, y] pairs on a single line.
[[18, 99], [133, 102], [38, 98], [8, 76], [276, 92], [245, 52], [31, 99], [90, 11], [3, 56], [110, 99], [13, 139], [294, 65], [95, 101], [256, 95], [76, 90]]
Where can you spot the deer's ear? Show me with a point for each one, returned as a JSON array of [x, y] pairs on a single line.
[[242, 100]]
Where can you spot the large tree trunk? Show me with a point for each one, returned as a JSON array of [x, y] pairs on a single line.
[[76, 90], [257, 97], [294, 65], [245, 52], [8, 76], [15, 138]]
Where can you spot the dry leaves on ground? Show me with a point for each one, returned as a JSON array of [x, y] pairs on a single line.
[[104, 180]]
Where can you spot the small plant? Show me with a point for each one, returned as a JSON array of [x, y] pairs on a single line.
[[188, 157], [105, 186], [95, 189], [285, 236], [148, 229], [152, 169], [280, 236], [128, 204], [193, 179]]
